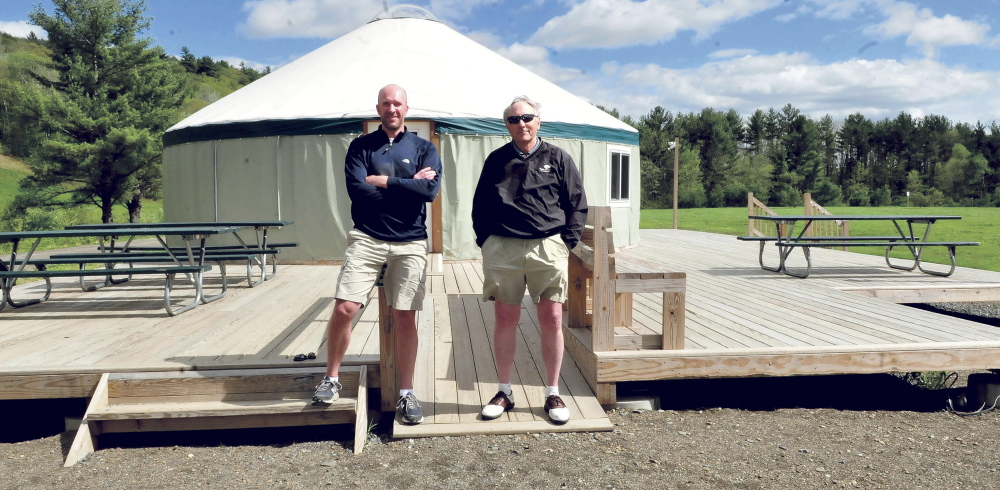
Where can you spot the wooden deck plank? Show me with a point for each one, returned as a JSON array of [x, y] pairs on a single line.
[[423, 377], [445, 381], [465, 367]]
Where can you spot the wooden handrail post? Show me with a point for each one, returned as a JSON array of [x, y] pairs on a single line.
[[602, 285]]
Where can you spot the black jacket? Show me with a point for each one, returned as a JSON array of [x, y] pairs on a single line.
[[529, 197], [395, 214]]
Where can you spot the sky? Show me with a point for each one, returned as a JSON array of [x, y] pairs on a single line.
[[836, 57]]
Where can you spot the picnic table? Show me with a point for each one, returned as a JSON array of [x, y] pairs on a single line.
[[787, 239], [262, 252], [190, 262]]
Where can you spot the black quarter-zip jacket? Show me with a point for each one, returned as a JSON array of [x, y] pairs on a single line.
[[397, 213], [529, 197]]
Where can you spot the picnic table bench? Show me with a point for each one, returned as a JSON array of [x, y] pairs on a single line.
[[191, 265], [786, 239], [254, 255]]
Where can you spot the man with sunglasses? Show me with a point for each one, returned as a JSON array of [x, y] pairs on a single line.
[[528, 212], [391, 175]]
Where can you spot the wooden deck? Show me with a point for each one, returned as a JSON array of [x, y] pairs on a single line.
[[844, 318], [741, 321]]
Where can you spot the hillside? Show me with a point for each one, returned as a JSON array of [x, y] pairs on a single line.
[[12, 171], [11, 163]]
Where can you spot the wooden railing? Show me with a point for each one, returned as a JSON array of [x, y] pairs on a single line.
[[818, 228], [823, 228], [757, 208]]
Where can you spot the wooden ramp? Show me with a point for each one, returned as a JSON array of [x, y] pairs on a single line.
[[456, 373], [223, 399]]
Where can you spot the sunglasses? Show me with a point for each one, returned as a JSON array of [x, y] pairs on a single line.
[[523, 117]]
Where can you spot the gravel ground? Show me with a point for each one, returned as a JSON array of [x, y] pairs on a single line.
[[863, 431], [870, 431]]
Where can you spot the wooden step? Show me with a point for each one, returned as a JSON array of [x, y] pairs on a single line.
[[221, 399]]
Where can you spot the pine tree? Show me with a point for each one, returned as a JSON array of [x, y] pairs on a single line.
[[116, 96]]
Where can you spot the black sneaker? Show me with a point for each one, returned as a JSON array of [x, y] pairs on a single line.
[[327, 391], [409, 409]]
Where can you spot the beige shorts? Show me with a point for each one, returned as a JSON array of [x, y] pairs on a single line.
[[406, 269], [511, 265]]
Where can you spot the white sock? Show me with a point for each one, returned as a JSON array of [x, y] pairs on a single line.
[[505, 387], [405, 391], [551, 390], [335, 379]]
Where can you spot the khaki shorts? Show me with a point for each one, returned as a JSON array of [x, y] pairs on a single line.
[[511, 265], [406, 269]]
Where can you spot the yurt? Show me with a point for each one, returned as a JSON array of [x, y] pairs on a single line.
[[275, 149]]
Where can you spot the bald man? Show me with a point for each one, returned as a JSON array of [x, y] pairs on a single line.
[[391, 175]]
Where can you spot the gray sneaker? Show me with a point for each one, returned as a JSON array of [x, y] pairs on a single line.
[[409, 408], [327, 391]]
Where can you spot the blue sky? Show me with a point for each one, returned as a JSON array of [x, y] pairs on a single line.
[[837, 57]]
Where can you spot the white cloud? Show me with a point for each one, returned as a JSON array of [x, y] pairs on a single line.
[[235, 62], [455, 9], [878, 89], [616, 23], [22, 28], [533, 58], [333, 18], [839, 9], [536, 60], [921, 27], [732, 53], [306, 18]]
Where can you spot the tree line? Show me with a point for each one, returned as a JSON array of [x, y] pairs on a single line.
[[780, 154]]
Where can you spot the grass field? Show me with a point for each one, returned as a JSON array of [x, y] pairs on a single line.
[[11, 172], [977, 224]]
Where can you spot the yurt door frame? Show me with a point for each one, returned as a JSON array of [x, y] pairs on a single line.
[[425, 130]]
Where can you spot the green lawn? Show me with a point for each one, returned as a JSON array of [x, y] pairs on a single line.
[[977, 224], [8, 184]]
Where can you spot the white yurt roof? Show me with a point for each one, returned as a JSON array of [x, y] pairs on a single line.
[[447, 77]]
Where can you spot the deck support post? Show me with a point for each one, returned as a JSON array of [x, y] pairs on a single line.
[[388, 375]]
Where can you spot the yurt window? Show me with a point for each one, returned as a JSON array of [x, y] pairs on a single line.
[[619, 166]]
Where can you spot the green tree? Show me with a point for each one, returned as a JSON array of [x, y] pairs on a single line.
[[656, 134], [690, 192], [188, 61], [116, 96]]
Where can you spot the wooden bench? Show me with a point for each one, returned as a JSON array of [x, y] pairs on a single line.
[[603, 282], [260, 257], [9, 278], [219, 399]]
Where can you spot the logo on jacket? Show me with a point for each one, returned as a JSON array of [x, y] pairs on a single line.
[[545, 168], [406, 160]]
